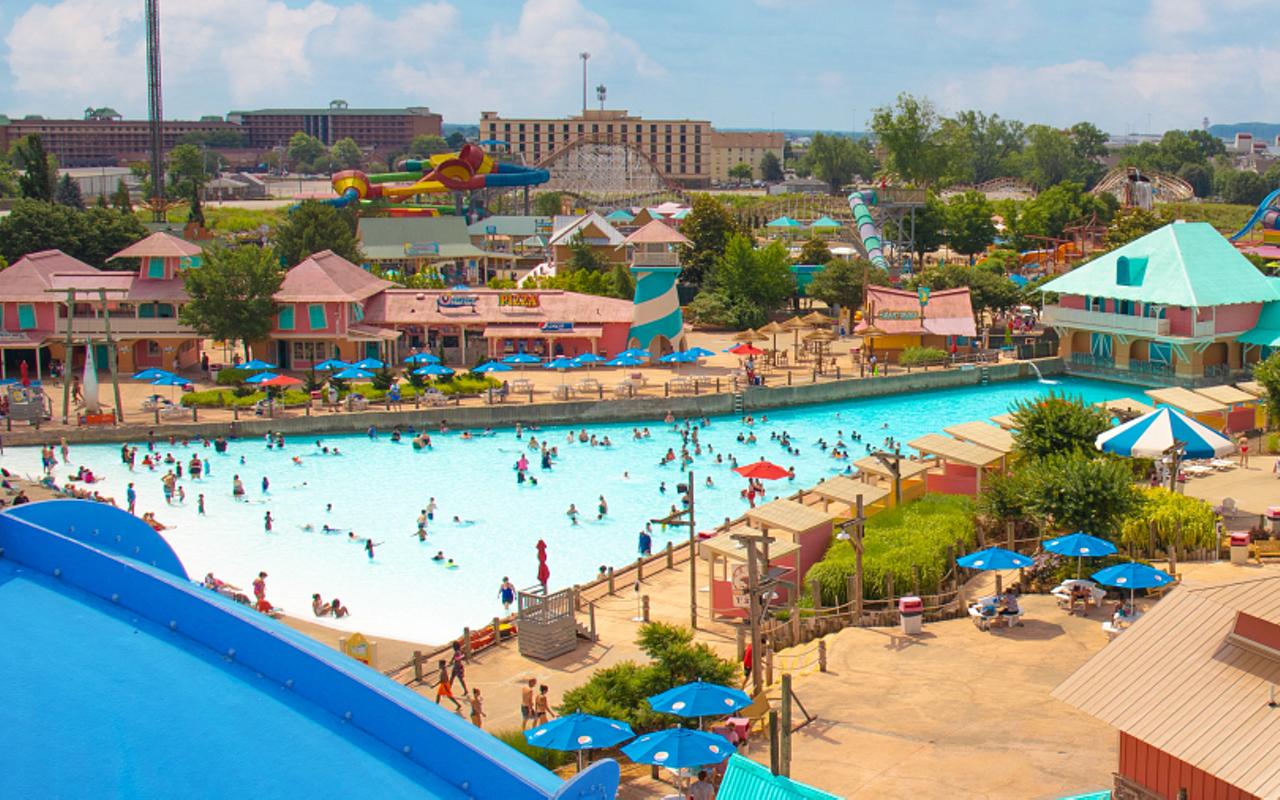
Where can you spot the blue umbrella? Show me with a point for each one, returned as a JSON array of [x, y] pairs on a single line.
[[700, 352], [170, 380], [588, 358], [331, 365], [579, 732], [491, 366], [1078, 545], [260, 377], [679, 357], [561, 362], [369, 363], [521, 358], [623, 361], [1153, 433], [676, 748], [700, 699], [636, 352], [433, 369], [994, 558], [422, 358], [352, 373], [149, 375], [256, 365], [1132, 576]]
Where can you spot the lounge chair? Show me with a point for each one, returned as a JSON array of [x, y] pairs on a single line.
[[757, 712]]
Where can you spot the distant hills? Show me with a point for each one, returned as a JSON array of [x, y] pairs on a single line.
[[1261, 131]]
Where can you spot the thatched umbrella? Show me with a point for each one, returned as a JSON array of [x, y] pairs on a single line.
[[817, 318], [773, 329], [822, 338], [749, 336], [795, 325]]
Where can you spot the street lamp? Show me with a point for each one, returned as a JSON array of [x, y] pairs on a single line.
[[584, 56]]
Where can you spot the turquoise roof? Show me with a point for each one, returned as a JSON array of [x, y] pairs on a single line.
[[783, 222], [1267, 331], [1181, 264], [825, 222], [621, 214], [744, 779], [507, 225]]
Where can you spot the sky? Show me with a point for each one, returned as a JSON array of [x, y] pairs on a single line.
[[1127, 65]]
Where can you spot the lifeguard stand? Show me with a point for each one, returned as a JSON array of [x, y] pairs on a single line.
[[546, 626]]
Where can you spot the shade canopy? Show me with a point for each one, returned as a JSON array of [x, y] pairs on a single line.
[[370, 363], [783, 222], [579, 731], [281, 380], [1132, 576], [149, 374], [587, 358], [422, 358], [676, 748], [762, 469], [994, 558], [700, 352], [749, 336], [636, 352], [256, 364], [700, 699], [170, 380], [261, 377], [491, 366], [745, 349], [679, 357], [433, 369], [1080, 545], [352, 374], [1152, 435], [335, 364], [623, 361], [521, 358], [561, 363]]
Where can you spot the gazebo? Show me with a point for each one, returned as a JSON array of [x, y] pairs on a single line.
[[962, 463]]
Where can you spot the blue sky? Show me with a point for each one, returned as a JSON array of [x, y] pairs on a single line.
[[739, 63]]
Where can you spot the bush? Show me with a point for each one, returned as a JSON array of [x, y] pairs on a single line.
[[551, 759], [1166, 510], [913, 533], [1058, 423], [917, 355], [225, 398], [383, 378], [1083, 493], [233, 376]]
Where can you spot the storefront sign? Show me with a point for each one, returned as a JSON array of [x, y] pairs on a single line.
[[491, 230], [557, 327], [899, 315], [519, 300], [542, 227], [421, 249], [456, 300], [923, 292]]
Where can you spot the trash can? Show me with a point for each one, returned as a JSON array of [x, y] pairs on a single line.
[[911, 612], [1240, 547], [1273, 519]]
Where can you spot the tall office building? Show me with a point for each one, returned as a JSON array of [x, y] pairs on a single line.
[[369, 127]]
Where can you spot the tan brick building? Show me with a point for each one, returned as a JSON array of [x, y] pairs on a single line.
[[100, 142], [680, 148], [369, 127], [730, 148]]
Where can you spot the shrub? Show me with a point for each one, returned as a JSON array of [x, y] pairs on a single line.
[[917, 355], [1057, 424], [913, 533], [1166, 510], [311, 382], [1082, 493], [240, 396], [230, 377], [416, 381], [383, 378], [551, 759]]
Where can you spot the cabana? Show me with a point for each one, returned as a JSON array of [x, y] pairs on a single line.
[[962, 463], [1125, 409], [1196, 406], [809, 527], [983, 434], [911, 473], [1004, 421], [1243, 410], [1259, 391], [846, 491], [778, 561]]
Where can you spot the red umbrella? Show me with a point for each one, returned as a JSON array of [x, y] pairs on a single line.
[[544, 572], [281, 380], [746, 349], [763, 470]]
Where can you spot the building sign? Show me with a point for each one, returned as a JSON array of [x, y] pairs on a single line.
[[557, 327], [519, 300], [456, 301], [10, 336], [741, 587], [923, 291], [491, 230], [898, 315], [542, 227], [421, 249]]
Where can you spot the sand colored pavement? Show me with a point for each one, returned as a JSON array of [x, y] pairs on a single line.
[[1255, 488]]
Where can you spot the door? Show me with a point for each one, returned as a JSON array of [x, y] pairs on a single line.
[[282, 354], [100, 356]]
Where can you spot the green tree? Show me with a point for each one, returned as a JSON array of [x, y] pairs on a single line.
[[271, 160], [347, 153], [141, 171], [1083, 493], [814, 251], [547, 204], [583, 256], [841, 283], [1244, 188], [106, 232], [37, 181], [1053, 156], [770, 167], [1059, 423], [760, 277], [120, 199], [1132, 223], [8, 178], [314, 226], [987, 290], [708, 227], [1200, 176], [68, 193], [836, 159], [92, 236], [425, 146], [1267, 373], [304, 149], [740, 171], [979, 147], [456, 140], [910, 133], [188, 164], [970, 229], [233, 295], [1051, 211], [215, 139]]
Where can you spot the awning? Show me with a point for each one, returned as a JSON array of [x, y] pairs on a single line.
[[847, 490], [725, 546], [370, 332], [23, 339], [788, 515], [954, 450], [530, 332]]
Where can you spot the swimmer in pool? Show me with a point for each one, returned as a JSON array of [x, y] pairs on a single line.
[[572, 513], [439, 556], [458, 521]]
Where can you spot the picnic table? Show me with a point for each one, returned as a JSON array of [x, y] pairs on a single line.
[[562, 392], [681, 385], [588, 385], [522, 385]]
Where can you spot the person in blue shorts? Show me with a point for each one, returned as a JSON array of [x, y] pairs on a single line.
[[507, 592]]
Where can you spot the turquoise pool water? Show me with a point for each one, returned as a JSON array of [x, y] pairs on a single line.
[[378, 488]]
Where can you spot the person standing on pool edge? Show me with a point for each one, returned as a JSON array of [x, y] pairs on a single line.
[[507, 593], [445, 687]]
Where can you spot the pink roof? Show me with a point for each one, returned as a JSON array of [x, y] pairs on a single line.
[[122, 286], [328, 277], [412, 306], [948, 313], [657, 232], [26, 280], [160, 245]]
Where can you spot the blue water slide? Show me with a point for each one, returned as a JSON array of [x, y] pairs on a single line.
[[1266, 205]]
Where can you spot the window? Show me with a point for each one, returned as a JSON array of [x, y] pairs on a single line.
[[1100, 344], [26, 316], [608, 129], [285, 321], [1160, 353], [315, 316], [155, 268], [595, 128]]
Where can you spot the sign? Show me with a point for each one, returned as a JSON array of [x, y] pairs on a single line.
[[519, 300], [421, 249], [358, 648], [898, 315], [491, 230], [923, 291], [456, 300], [740, 584], [542, 227], [556, 327]]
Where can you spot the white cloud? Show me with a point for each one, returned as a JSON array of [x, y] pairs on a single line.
[[1183, 17], [91, 49], [1001, 21]]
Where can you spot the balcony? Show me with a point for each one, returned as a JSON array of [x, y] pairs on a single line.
[[128, 327], [643, 259], [1104, 321]]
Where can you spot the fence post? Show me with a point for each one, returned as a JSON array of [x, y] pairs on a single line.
[[773, 742], [822, 655], [788, 377], [666, 389], [466, 643], [671, 559], [1173, 560], [591, 609], [815, 588], [768, 665], [999, 583], [417, 666], [611, 580], [888, 588], [645, 605], [497, 631], [640, 569], [784, 727], [742, 643], [855, 602], [717, 385], [795, 626], [951, 563]]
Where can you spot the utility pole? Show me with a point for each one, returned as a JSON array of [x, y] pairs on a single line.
[[69, 348], [112, 357], [852, 531], [584, 56], [758, 589], [892, 461], [677, 519]]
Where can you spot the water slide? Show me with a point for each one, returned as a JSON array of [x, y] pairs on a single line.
[[858, 202], [1268, 214], [469, 169]]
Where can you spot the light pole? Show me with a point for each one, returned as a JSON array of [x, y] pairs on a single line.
[[584, 55], [601, 91]]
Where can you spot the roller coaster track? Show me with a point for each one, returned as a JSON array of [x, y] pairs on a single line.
[[1007, 186], [603, 171], [1165, 187]]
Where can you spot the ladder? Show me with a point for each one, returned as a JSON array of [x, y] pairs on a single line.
[[985, 376], [738, 404]]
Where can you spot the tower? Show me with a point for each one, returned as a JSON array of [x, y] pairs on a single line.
[[156, 118], [656, 322]]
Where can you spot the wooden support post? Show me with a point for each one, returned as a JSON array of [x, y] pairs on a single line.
[[1173, 560], [466, 643], [671, 559], [611, 580], [640, 569], [768, 665], [645, 604], [773, 741], [497, 631], [1010, 532], [815, 589], [417, 666], [999, 582], [822, 655], [591, 610], [795, 625], [784, 728], [742, 643]]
